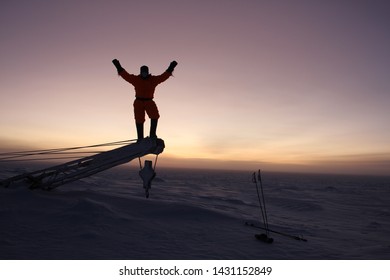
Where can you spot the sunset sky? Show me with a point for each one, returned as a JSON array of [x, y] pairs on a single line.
[[278, 85]]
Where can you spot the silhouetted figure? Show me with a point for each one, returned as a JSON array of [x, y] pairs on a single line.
[[145, 85]]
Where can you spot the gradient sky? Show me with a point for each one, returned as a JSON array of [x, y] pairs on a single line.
[[278, 85]]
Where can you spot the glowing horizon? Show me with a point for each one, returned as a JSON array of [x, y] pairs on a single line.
[[282, 84]]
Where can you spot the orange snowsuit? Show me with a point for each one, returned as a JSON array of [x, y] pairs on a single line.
[[144, 94]]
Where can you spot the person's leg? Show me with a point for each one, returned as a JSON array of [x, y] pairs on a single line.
[[152, 111], [139, 115], [153, 128]]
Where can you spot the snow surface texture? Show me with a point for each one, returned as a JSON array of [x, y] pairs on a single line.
[[196, 215]]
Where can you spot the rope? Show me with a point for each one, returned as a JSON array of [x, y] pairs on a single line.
[[13, 156], [155, 163], [38, 159]]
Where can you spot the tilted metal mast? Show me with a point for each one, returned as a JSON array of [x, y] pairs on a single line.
[[58, 175]]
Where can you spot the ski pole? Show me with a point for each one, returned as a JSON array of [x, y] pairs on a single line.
[[258, 197], [262, 194]]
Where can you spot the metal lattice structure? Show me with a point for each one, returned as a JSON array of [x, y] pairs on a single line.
[[58, 175]]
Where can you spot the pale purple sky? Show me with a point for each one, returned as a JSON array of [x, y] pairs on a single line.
[[292, 85]]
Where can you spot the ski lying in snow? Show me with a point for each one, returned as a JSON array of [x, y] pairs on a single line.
[[262, 238]]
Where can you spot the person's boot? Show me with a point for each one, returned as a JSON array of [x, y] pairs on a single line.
[[153, 128], [140, 131]]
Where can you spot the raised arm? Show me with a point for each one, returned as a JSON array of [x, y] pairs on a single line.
[[164, 76], [123, 73]]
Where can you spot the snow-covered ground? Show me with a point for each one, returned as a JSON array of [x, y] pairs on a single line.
[[195, 214]]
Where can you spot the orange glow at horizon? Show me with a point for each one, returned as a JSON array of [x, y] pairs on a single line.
[[290, 84]]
